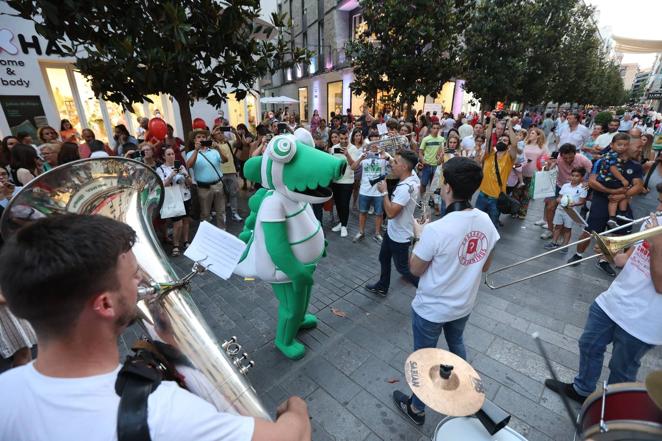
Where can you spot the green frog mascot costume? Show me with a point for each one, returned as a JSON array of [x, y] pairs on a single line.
[[285, 240]]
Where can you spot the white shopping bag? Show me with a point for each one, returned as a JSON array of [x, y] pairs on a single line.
[[545, 184]]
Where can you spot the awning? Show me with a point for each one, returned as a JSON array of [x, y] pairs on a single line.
[[636, 46]]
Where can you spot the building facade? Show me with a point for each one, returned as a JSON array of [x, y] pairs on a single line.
[[628, 73], [40, 86], [324, 27]]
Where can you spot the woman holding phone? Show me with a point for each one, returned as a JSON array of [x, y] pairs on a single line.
[[173, 174]]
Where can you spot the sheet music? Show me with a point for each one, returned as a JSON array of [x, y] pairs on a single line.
[[222, 249], [382, 129]]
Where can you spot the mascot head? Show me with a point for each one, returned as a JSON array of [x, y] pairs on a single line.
[[296, 169]]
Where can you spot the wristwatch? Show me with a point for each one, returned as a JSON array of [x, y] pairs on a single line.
[[385, 193]]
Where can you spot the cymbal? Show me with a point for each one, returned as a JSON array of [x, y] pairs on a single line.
[[461, 394], [654, 387]]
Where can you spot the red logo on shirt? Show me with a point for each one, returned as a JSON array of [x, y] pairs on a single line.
[[473, 248]]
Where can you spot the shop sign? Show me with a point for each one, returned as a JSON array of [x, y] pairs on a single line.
[[11, 74]]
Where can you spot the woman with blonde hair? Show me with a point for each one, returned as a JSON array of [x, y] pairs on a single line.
[[534, 148], [50, 153]]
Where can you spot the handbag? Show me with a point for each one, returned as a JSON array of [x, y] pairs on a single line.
[[544, 184], [505, 203], [173, 203]]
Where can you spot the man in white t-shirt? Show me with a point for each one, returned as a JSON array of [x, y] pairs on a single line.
[[400, 229], [75, 279], [450, 258], [469, 142], [573, 133], [627, 315], [612, 129]]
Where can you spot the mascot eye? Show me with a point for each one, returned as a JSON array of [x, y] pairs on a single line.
[[283, 149]]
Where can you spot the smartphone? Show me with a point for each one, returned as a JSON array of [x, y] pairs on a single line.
[[555, 154], [178, 164], [225, 129], [337, 150], [206, 143]]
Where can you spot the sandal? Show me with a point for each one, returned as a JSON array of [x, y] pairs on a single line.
[[175, 252]]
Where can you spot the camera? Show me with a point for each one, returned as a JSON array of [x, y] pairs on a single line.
[[206, 143], [372, 155], [178, 164], [337, 150], [225, 129], [555, 154], [179, 179]]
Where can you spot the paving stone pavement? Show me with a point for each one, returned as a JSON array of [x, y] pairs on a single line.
[[353, 363]]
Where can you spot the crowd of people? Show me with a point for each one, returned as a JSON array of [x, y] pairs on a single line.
[[442, 164]]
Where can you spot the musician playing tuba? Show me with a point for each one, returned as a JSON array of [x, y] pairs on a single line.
[[75, 279]]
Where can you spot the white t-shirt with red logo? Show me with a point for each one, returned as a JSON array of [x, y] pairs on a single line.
[[457, 246], [631, 300]]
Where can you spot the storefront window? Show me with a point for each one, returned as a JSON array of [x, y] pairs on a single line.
[[91, 108], [251, 107], [236, 110], [303, 104], [445, 97], [116, 114], [334, 98], [155, 108], [63, 96], [358, 101]]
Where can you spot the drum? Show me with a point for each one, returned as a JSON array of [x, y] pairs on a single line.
[[629, 413], [470, 429]]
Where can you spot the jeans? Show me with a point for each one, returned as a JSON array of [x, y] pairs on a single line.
[[342, 194], [600, 330], [488, 204], [426, 335], [399, 252]]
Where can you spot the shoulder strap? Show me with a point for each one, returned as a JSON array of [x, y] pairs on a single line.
[[212, 165], [652, 170], [496, 167]]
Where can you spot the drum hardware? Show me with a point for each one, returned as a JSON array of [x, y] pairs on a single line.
[[603, 425], [566, 401], [608, 245], [471, 429], [654, 387], [492, 417]]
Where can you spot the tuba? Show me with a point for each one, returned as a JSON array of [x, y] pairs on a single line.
[[129, 191]]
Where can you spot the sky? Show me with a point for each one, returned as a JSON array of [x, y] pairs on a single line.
[[633, 19]]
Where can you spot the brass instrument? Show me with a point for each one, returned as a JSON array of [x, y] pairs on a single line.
[[129, 191], [608, 245], [390, 144]]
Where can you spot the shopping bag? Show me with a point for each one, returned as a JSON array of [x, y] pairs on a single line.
[[173, 203], [545, 184]]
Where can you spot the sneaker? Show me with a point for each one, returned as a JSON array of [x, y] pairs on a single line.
[[575, 257], [540, 223], [376, 289], [546, 235], [403, 403], [337, 228], [563, 251], [343, 231], [551, 246], [371, 210], [604, 266], [358, 237], [378, 238], [566, 389], [236, 217], [611, 223]]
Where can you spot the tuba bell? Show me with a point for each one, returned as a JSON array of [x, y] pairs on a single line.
[[128, 191]]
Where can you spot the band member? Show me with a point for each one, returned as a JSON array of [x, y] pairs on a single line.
[[75, 279], [399, 231], [450, 258], [627, 315]]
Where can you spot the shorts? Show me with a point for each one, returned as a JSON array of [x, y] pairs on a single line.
[[376, 201], [562, 218], [427, 174], [187, 207]]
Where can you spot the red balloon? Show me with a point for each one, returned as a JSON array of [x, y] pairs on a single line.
[[157, 128], [199, 123], [540, 163]]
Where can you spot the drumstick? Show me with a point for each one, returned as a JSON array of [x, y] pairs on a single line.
[[565, 400]]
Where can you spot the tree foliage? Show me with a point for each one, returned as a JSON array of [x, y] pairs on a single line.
[[189, 49], [409, 48]]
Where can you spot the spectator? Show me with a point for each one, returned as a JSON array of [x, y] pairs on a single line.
[[374, 164], [50, 154], [84, 149], [449, 123], [625, 124], [534, 148], [206, 165], [25, 164], [505, 155], [604, 140], [8, 143], [47, 134], [465, 129], [428, 154], [16, 336], [324, 131], [342, 187], [97, 149], [610, 174], [173, 173], [598, 214], [142, 129], [572, 194], [547, 124], [68, 133], [527, 121], [315, 121], [568, 159], [574, 133], [469, 142], [25, 138], [124, 142], [68, 153], [242, 150], [229, 178], [591, 148]]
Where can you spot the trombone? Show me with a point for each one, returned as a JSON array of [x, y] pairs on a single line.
[[391, 144], [609, 246]]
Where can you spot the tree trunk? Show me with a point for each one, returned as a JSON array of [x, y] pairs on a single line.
[[184, 113]]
